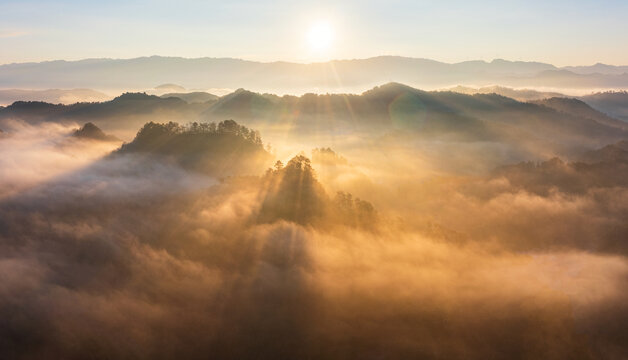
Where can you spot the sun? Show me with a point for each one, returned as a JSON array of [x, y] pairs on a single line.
[[320, 37]]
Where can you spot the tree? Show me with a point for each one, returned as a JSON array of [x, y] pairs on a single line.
[[228, 127], [278, 165]]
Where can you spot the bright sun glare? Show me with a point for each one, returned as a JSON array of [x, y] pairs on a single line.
[[320, 37]]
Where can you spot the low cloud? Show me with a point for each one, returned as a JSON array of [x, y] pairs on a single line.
[[135, 256], [34, 154]]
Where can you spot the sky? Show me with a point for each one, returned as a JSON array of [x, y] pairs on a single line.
[[576, 32]]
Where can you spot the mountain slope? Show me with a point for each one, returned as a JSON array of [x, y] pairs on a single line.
[[192, 97], [241, 104], [614, 103], [598, 68], [517, 94], [579, 108], [612, 153]]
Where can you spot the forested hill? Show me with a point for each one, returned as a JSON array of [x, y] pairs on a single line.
[[221, 149]]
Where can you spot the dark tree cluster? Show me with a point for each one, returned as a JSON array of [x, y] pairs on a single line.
[[90, 131], [293, 193], [328, 156], [222, 149], [230, 127], [354, 211]]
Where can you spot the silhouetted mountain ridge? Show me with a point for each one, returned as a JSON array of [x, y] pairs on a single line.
[[127, 111], [517, 94], [193, 97], [613, 103], [556, 123]]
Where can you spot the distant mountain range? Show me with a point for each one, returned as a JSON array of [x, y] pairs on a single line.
[[559, 125], [598, 69], [612, 103], [285, 77], [54, 96]]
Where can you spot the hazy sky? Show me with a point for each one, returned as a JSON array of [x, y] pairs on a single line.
[[575, 32]]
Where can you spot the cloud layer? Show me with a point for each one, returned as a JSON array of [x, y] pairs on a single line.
[[135, 256]]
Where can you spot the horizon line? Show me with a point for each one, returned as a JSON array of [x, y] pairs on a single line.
[[303, 63]]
